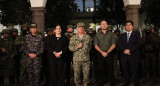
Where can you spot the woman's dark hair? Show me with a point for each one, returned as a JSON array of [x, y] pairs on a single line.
[[56, 26], [129, 21]]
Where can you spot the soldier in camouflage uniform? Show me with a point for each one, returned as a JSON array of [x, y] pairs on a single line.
[[80, 44], [14, 33], [33, 48], [116, 52], [44, 71], [149, 51], [110, 28], [6, 56], [13, 36], [69, 34], [21, 76], [158, 54], [93, 71]]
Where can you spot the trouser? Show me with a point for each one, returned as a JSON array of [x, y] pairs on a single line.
[[68, 71], [33, 68], [108, 64], [81, 67], [56, 72], [128, 66]]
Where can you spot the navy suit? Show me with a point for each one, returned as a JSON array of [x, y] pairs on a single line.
[[130, 63]]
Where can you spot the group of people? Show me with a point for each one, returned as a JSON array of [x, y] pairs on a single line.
[[32, 60]]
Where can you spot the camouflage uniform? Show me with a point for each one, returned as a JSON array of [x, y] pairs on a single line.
[[149, 52], [116, 52], [33, 44], [6, 60], [22, 67], [81, 59]]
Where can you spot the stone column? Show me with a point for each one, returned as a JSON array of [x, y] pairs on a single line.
[[132, 13], [84, 5], [38, 17]]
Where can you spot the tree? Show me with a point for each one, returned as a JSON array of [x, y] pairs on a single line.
[[15, 12], [112, 11], [151, 7], [59, 12]]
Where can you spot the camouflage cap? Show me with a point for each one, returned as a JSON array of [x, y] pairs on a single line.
[[69, 26], [80, 24], [5, 31], [90, 30], [14, 30], [24, 26], [33, 25], [49, 29], [110, 27], [148, 28], [117, 30]]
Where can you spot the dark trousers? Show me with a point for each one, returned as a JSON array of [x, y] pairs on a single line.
[[56, 75], [133, 67], [109, 66]]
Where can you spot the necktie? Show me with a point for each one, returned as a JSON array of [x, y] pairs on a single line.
[[128, 36]]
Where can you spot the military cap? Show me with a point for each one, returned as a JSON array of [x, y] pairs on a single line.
[[110, 27], [14, 30], [33, 25], [24, 26], [5, 31], [90, 30], [148, 28], [80, 24], [49, 29], [117, 30], [69, 26]]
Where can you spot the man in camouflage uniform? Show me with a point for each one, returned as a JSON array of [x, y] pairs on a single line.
[[116, 52], [80, 44], [14, 33], [13, 36], [44, 71], [93, 71], [110, 28], [21, 76], [149, 51], [6, 56], [33, 48], [69, 34]]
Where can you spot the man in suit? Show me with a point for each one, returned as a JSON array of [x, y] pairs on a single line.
[[129, 44]]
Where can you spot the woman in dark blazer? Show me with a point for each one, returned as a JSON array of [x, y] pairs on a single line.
[[57, 47]]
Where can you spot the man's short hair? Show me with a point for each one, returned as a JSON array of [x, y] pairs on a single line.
[[102, 21], [129, 21]]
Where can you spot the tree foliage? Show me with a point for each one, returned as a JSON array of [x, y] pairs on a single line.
[[111, 10], [151, 7], [15, 12], [59, 12]]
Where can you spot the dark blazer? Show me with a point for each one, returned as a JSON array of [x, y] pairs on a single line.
[[133, 45], [57, 45]]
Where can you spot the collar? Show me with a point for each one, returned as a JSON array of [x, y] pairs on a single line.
[[129, 32], [103, 33]]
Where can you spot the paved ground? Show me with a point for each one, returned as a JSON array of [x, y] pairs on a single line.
[[143, 82]]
